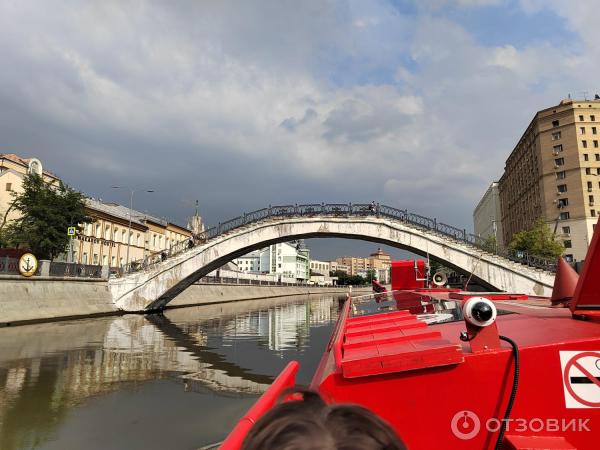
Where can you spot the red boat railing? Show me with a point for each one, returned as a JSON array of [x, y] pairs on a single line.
[[286, 379], [338, 339]]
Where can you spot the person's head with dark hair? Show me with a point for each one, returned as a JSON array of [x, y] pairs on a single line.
[[309, 424]]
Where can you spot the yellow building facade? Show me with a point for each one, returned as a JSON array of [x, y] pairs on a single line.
[[105, 240], [13, 170], [554, 173]]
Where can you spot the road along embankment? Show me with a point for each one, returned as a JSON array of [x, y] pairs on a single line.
[[47, 299], [204, 294]]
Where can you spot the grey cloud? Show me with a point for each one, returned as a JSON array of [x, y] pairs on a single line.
[[242, 104]]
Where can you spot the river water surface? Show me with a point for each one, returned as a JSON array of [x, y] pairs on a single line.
[[174, 381]]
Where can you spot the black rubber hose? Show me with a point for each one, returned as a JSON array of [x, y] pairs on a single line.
[[513, 393]]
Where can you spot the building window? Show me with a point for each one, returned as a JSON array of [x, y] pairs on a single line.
[[104, 260], [595, 144], [563, 202], [559, 161], [588, 171], [591, 199], [561, 175], [123, 236], [589, 185], [556, 136], [593, 118], [555, 123], [569, 258], [598, 171], [562, 188], [107, 232], [84, 258], [594, 131], [113, 261], [9, 187], [585, 157], [557, 148], [593, 212], [581, 118], [566, 230], [564, 215], [597, 156], [98, 231], [581, 130], [567, 244], [95, 260], [584, 144]]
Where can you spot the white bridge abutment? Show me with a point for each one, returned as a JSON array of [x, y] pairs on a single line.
[[153, 289]]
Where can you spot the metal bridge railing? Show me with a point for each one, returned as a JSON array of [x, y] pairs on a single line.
[[343, 210]]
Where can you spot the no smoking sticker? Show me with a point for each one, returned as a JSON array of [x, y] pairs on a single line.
[[581, 378]]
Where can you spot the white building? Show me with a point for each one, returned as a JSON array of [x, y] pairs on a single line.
[[487, 215], [251, 262], [320, 267], [288, 259]]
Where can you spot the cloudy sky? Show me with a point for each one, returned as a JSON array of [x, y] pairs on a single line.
[[241, 104]]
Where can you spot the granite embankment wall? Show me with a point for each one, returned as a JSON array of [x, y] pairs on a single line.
[[25, 300]]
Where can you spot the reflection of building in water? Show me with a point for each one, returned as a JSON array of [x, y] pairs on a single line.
[[53, 367], [281, 327]]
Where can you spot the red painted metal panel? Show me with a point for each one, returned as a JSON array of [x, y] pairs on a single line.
[[383, 327], [514, 442], [404, 275], [587, 296], [361, 319], [389, 337]]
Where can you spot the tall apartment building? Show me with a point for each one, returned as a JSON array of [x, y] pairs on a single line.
[[554, 173]]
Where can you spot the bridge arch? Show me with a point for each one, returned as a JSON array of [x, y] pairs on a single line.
[[152, 289]]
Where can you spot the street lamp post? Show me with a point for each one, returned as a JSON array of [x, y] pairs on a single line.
[[131, 192]]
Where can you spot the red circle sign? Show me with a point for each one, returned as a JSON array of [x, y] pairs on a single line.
[[574, 362]]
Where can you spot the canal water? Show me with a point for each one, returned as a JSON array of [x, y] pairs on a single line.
[[175, 381]]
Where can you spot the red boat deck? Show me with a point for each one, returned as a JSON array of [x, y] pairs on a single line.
[[444, 382], [393, 342]]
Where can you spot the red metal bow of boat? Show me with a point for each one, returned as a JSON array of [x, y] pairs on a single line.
[[432, 363]]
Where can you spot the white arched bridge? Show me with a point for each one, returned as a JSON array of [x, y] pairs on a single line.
[[149, 286]]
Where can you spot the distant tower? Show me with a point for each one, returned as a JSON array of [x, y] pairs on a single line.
[[196, 224]]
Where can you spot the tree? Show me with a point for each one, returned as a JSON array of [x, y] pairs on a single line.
[[344, 279], [46, 212], [371, 275], [539, 241], [490, 244]]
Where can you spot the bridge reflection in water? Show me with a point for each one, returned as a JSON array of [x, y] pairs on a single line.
[[107, 382]]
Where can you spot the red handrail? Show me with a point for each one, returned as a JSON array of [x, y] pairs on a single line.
[[339, 334], [286, 379]]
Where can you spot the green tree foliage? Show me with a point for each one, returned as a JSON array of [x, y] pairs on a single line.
[[490, 244], [46, 212], [344, 279], [371, 275], [538, 241]]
